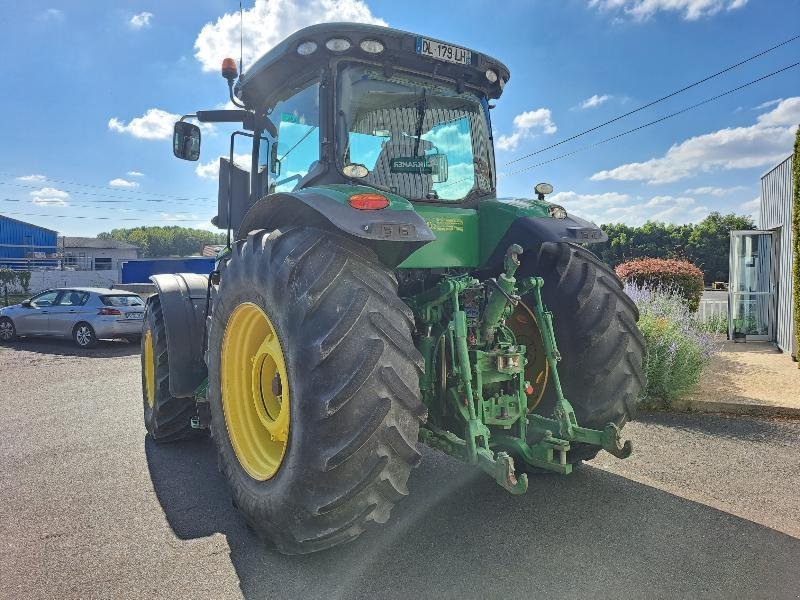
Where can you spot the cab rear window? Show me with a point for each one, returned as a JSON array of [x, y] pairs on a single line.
[[122, 300]]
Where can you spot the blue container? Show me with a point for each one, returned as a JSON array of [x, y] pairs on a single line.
[[140, 270], [18, 238]]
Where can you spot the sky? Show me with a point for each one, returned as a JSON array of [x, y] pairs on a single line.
[[91, 90]]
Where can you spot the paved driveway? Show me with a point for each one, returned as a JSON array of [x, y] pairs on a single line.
[[90, 508]]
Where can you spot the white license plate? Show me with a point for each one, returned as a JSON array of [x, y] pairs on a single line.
[[444, 52], [139, 316]]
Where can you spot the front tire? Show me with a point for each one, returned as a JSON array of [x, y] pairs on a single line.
[[332, 450], [595, 326], [8, 332], [166, 418]]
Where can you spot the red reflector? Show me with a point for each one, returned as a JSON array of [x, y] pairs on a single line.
[[529, 389], [369, 201], [109, 311]]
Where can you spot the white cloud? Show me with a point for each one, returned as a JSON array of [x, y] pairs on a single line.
[[155, 124], [49, 197], [767, 104], [540, 118], [135, 174], [594, 101], [641, 10], [525, 125], [140, 20], [51, 14], [710, 190], [766, 142], [752, 207], [31, 178], [122, 183], [210, 170], [267, 23], [613, 207]]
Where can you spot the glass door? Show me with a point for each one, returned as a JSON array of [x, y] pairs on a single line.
[[751, 290]]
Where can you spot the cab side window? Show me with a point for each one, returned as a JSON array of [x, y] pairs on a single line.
[[297, 121]]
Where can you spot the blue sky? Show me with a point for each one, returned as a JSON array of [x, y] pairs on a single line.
[[91, 90]]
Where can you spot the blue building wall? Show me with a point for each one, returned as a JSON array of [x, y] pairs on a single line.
[[18, 237], [140, 270]]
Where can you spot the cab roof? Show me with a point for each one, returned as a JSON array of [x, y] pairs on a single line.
[[281, 70]]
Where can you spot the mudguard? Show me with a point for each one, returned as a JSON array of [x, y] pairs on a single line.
[[393, 233], [183, 302]]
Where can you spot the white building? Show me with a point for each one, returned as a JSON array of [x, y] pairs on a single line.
[[92, 254]]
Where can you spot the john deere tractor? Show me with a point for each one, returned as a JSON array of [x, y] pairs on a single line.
[[376, 295]]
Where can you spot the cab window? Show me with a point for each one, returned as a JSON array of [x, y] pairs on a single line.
[[297, 150]]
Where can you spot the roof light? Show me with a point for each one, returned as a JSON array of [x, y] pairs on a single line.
[[543, 188], [338, 44], [558, 212], [229, 70], [491, 75], [368, 201], [307, 48], [372, 46]]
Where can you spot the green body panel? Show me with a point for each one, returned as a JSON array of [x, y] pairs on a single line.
[[468, 237], [457, 233]]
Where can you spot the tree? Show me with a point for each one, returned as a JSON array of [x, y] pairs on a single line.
[[165, 241], [709, 243]]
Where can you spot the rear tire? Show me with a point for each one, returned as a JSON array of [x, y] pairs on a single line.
[[353, 391], [83, 335], [595, 325], [166, 418]]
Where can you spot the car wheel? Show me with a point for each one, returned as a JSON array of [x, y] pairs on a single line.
[[8, 332], [84, 335]]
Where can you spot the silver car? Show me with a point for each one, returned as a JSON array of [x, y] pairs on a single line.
[[84, 314]]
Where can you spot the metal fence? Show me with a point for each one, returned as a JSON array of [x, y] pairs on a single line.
[[712, 309]]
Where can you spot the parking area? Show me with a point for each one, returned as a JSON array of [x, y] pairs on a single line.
[[90, 508]]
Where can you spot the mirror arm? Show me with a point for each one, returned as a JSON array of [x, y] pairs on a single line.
[[231, 96]]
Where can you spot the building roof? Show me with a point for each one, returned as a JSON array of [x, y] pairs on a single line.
[[28, 224], [88, 242]]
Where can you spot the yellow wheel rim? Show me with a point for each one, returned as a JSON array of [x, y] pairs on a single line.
[[537, 372], [255, 391], [149, 369]]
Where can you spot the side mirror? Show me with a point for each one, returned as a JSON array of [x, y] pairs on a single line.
[[26, 303], [186, 141], [438, 165]]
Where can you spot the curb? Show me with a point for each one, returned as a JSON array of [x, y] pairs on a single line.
[[735, 408]]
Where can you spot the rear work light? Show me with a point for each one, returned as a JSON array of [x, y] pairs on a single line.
[[109, 311], [369, 201]]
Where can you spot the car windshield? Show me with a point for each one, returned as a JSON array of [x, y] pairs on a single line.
[[417, 138], [122, 300]]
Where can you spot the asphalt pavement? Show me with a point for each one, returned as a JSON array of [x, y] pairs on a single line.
[[707, 507]]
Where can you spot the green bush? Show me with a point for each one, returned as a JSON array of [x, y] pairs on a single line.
[[665, 274], [677, 347]]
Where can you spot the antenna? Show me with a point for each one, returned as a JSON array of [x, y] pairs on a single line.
[[241, 37]]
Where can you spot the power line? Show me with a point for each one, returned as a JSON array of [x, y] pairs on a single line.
[[20, 214], [659, 120], [649, 104], [71, 205], [104, 187], [123, 198]]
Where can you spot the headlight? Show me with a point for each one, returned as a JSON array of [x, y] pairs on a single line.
[[338, 44], [355, 170], [491, 75], [371, 46], [558, 212], [307, 48]]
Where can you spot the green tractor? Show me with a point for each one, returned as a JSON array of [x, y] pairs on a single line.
[[376, 294]]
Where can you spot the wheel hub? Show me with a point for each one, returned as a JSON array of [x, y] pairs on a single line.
[[255, 391]]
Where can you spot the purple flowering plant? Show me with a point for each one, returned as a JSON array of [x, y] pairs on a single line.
[[678, 346]]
